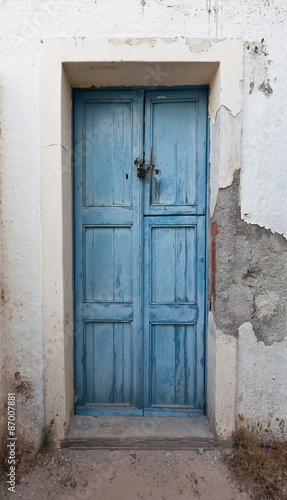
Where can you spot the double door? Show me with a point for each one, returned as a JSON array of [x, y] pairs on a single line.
[[139, 251]]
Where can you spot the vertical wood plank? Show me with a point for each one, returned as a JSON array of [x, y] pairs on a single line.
[[191, 365], [180, 264], [89, 362], [103, 363], [122, 264], [191, 264], [127, 152], [180, 365], [192, 166], [103, 263], [128, 363], [89, 264], [88, 153], [182, 135], [118, 360], [165, 145], [102, 161], [163, 368], [122, 135]]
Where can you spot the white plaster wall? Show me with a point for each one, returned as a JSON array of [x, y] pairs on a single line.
[[221, 380], [23, 24], [3, 393], [261, 381], [263, 194]]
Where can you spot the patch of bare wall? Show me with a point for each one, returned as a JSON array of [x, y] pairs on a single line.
[[249, 271]]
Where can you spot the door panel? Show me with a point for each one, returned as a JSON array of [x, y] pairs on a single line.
[[175, 129], [173, 274], [139, 255], [108, 377], [174, 299], [108, 264], [173, 373], [107, 132], [108, 141]]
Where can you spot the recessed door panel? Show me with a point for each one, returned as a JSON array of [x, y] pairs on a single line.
[[108, 264], [173, 264], [107, 153], [175, 132], [173, 372], [108, 363]]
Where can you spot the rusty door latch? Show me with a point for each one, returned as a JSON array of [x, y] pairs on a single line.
[[142, 167]]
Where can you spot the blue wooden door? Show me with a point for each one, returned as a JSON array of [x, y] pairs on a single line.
[[140, 252], [107, 136], [174, 265]]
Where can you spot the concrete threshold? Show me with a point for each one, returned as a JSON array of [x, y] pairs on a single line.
[[139, 433]]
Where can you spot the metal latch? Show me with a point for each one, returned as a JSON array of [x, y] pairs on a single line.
[[142, 167]]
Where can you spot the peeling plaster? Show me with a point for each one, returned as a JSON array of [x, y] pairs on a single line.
[[263, 186], [133, 41], [198, 45], [251, 87], [225, 152], [266, 88], [169, 40], [251, 271]]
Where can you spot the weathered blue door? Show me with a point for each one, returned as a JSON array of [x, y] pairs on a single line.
[[140, 251]]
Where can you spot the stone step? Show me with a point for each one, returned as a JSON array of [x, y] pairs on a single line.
[[87, 432]]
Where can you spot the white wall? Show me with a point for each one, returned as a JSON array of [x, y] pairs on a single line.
[[261, 381], [263, 182]]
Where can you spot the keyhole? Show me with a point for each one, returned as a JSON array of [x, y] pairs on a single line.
[[127, 176]]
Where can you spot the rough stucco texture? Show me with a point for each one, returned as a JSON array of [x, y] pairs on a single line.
[[251, 272]]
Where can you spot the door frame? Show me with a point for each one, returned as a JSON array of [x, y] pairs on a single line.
[[66, 63]]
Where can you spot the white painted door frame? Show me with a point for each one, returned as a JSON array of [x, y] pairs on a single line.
[[71, 62]]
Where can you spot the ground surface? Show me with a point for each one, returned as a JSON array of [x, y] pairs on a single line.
[[130, 475]]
